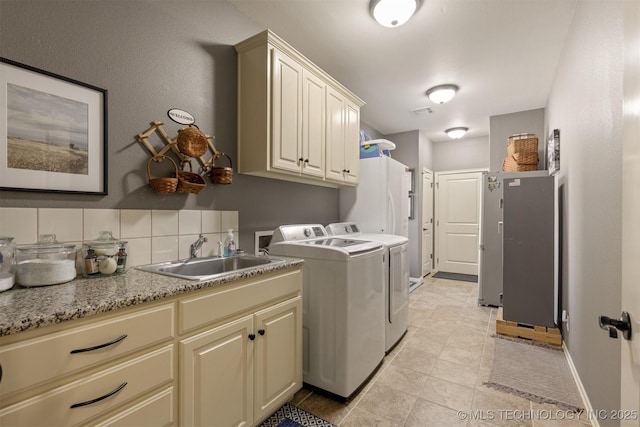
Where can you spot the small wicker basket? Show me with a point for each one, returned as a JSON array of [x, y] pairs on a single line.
[[510, 164], [163, 185], [189, 181], [222, 175], [192, 142], [522, 143]]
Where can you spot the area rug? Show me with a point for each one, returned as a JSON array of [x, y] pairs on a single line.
[[456, 276], [414, 284], [292, 416], [536, 372]]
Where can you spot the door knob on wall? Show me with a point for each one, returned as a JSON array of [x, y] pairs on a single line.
[[623, 324]]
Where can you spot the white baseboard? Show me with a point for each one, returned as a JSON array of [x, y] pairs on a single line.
[[583, 394]]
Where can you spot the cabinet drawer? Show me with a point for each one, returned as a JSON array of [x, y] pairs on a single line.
[[54, 408], [38, 360], [156, 411], [202, 310]]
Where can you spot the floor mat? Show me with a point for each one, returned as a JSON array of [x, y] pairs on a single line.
[[414, 284], [541, 374], [456, 276], [292, 416]]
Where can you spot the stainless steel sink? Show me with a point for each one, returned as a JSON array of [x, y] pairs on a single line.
[[210, 268]]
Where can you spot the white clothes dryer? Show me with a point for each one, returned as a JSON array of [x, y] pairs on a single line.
[[396, 277], [343, 302]]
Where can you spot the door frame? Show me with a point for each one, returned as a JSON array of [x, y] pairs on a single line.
[[426, 192], [436, 208]]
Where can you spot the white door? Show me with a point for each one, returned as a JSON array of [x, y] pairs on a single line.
[[630, 359], [458, 221], [427, 222]]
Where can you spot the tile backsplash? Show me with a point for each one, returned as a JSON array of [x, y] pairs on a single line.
[[152, 235]]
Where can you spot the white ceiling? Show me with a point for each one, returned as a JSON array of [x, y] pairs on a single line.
[[502, 54]]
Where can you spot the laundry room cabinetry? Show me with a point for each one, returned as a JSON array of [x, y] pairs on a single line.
[[249, 344], [294, 120], [70, 376], [343, 128]]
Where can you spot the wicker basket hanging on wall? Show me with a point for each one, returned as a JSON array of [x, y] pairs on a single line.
[[189, 181], [222, 175], [192, 142], [166, 185]]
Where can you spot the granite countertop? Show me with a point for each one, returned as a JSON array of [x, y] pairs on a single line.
[[23, 309]]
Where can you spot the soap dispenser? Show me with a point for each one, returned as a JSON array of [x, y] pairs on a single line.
[[229, 244]]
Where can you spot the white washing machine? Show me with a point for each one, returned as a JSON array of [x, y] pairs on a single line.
[[396, 277], [343, 302]]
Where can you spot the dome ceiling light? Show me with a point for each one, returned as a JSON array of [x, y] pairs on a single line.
[[393, 13], [441, 94], [457, 132]]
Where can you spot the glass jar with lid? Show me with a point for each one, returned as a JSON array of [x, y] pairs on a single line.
[[7, 262], [47, 262], [105, 256]]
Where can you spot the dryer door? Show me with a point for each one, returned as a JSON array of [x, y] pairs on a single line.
[[399, 284]]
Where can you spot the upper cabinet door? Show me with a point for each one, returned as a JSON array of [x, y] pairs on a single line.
[[286, 113], [343, 136], [352, 143], [313, 124], [335, 135]]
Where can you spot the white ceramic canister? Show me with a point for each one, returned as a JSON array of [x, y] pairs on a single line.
[[7, 263]]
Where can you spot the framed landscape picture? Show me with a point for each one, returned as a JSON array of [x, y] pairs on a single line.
[[53, 132]]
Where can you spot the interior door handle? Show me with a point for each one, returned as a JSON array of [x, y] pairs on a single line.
[[623, 324]]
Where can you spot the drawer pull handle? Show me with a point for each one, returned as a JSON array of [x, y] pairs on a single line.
[[98, 399], [97, 347]]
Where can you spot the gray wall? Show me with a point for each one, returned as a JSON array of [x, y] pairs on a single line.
[[585, 104], [501, 127], [461, 154], [152, 56]]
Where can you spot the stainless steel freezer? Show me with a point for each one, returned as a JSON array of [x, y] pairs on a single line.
[[490, 275], [528, 257]]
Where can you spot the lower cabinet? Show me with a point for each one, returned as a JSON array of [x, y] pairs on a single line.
[[239, 373], [222, 356]]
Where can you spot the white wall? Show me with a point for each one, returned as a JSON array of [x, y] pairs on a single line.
[[585, 104], [461, 154]]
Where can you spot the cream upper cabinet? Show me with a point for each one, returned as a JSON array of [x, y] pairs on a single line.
[[285, 125], [343, 128]]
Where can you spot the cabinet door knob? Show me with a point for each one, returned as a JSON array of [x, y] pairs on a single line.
[[261, 331], [97, 347], [252, 337]]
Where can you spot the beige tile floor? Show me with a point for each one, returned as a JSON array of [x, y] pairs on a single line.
[[435, 375]]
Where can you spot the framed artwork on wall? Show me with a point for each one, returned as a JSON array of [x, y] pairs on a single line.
[[53, 132], [553, 152]]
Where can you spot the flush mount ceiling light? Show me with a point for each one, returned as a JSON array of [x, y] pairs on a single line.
[[441, 94], [393, 13], [456, 133]]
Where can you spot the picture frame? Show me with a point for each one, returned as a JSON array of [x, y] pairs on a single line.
[[53, 132], [553, 152]]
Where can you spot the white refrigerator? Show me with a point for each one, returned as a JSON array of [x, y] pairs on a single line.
[[380, 203]]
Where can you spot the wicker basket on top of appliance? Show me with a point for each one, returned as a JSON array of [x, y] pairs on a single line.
[[522, 153]]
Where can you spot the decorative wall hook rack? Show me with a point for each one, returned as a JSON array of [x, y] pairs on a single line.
[[171, 144]]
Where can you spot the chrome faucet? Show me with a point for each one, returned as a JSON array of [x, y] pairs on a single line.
[[195, 246]]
